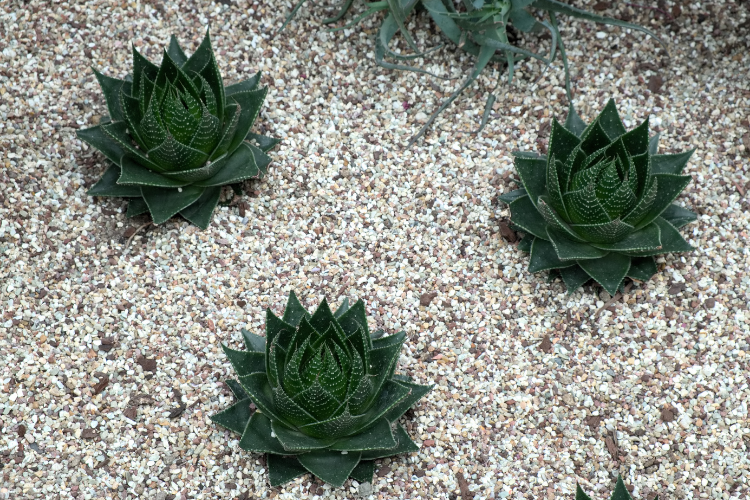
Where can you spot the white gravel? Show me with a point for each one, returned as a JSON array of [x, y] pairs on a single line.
[[655, 388]]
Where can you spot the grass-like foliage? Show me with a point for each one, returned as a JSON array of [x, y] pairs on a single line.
[[478, 27], [326, 394], [599, 205], [175, 135]]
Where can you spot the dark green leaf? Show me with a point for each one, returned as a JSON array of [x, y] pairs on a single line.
[[343, 307], [621, 492], [96, 137], [136, 206], [294, 312], [152, 131], [543, 257], [525, 216], [118, 132], [533, 173], [257, 436], [107, 185], [212, 76], [583, 207], [573, 122], [201, 57], [175, 52], [295, 441], [365, 469], [671, 240], [354, 319], [678, 216], [207, 132], [253, 342], [239, 167], [405, 445], [513, 195], [172, 155], [163, 203], [322, 319], [245, 362], [594, 138], [561, 143], [283, 469], [201, 173], [525, 244], [636, 141], [644, 204], [669, 187], [231, 118], [580, 495], [608, 232], [200, 212], [611, 122], [265, 143], [670, 164], [608, 271], [236, 389], [522, 20], [574, 277], [646, 239], [141, 67], [653, 144], [257, 386], [234, 418], [332, 467], [245, 85], [376, 437], [417, 392], [250, 103], [642, 268], [555, 221], [568, 249], [135, 174], [111, 88]]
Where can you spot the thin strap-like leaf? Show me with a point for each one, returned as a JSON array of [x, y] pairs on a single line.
[[291, 15], [342, 12], [485, 55]]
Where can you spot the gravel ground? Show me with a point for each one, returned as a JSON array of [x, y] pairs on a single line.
[[111, 358]]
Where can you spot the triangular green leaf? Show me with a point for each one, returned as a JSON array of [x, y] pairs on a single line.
[[376, 437], [163, 203], [111, 88], [611, 122], [526, 217], [670, 164], [136, 206], [670, 186], [364, 471], [245, 362], [561, 143], [405, 445], [543, 257], [135, 174], [533, 173], [283, 469], [200, 212], [608, 271], [295, 441], [332, 467], [573, 122], [294, 312], [96, 137], [234, 418], [678, 216], [646, 239], [249, 84], [568, 249], [236, 389], [642, 268], [175, 52], [107, 185], [239, 167], [574, 277], [257, 436]]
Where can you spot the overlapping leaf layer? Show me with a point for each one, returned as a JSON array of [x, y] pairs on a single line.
[[326, 394], [175, 135], [599, 206]]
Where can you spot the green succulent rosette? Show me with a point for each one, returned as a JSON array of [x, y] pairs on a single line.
[[175, 135], [600, 204], [326, 394]]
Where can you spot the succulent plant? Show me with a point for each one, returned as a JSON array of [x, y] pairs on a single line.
[[620, 493], [325, 391], [599, 206], [482, 28], [175, 135]]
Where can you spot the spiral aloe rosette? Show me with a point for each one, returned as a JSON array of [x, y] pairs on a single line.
[[176, 135], [599, 206], [326, 395]]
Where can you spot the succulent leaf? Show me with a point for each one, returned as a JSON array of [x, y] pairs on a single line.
[[325, 392], [620, 492], [176, 126], [603, 205]]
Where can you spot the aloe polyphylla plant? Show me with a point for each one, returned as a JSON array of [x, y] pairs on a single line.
[[326, 394], [175, 135], [620, 492], [599, 205]]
